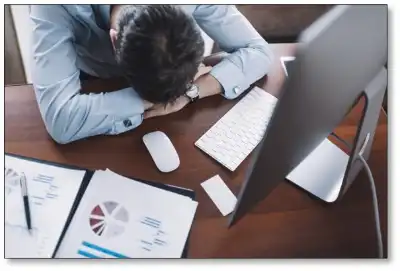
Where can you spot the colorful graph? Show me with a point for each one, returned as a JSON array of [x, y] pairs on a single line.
[[108, 219], [89, 250], [12, 180]]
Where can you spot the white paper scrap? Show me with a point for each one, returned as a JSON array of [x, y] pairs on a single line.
[[220, 194]]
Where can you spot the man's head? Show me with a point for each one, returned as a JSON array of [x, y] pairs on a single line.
[[159, 49]]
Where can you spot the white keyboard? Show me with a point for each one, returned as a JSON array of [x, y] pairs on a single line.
[[240, 130]]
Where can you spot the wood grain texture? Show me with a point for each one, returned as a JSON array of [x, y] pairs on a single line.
[[14, 72], [276, 21], [287, 224]]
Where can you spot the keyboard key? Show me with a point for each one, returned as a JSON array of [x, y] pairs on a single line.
[[249, 146]]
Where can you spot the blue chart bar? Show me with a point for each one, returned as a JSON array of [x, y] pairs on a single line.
[[87, 254], [90, 250]]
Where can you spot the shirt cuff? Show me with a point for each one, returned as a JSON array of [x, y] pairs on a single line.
[[122, 126], [231, 79], [130, 109]]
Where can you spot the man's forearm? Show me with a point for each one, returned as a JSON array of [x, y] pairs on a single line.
[[208, 86], [214, 59], [69, 118]]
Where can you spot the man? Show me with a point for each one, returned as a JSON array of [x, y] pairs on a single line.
[[157, 48]]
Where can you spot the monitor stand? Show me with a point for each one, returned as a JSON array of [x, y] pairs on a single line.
[[328, 172]]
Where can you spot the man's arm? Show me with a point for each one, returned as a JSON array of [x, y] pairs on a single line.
[[67, 114], [250, 56], [214, 59]]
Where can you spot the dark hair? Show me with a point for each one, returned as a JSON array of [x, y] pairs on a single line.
[[159, 49]]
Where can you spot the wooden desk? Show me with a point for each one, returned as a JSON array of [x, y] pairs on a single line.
[[286, 224]]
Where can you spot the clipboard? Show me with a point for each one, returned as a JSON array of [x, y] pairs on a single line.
[[85, 182]]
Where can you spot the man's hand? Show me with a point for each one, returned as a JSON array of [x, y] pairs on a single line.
[[161, 109], [147, 105], [181, 102], [202, 70]]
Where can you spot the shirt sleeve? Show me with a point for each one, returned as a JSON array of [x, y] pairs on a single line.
[[250, 56], [69, 115]]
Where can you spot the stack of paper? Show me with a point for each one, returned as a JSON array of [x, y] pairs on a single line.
[[52, 191], [122, 218]]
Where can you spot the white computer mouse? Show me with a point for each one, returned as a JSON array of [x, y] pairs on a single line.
[[162, 151]]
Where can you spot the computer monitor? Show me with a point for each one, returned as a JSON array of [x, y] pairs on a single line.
[[337, 58]]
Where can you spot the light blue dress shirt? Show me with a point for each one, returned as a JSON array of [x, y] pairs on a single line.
[[69, 38]]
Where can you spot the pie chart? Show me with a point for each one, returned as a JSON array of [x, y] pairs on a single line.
[[12, 179], [108, 219]]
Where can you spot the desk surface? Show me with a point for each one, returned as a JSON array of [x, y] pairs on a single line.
[[286, 224]]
